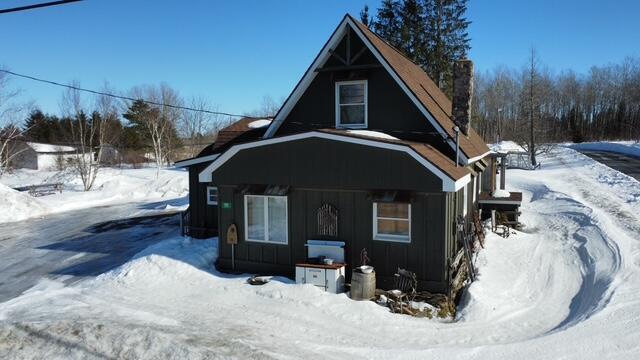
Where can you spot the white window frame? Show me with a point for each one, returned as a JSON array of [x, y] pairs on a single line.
[[266, 220], [209, 189], [339, 125], [387, 237]]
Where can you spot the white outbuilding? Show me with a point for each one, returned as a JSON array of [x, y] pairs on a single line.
[[39, 156]]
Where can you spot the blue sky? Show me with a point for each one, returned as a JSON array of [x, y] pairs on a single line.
[[236, 52]]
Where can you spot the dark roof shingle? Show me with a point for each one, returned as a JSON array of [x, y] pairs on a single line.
[[425, 90]]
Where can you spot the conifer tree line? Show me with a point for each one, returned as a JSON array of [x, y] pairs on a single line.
[[432, 33]]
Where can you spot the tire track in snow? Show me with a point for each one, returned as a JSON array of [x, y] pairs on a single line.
[[599, 255]]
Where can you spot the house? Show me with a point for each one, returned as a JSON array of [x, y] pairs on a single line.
[[39, 156], [363, 152], [107, 154]]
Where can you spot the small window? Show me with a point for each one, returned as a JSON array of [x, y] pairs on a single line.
[[392, 222], [212, 195], [351, 104], [265, 219]]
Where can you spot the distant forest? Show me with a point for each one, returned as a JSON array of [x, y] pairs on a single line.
[[530, 103]]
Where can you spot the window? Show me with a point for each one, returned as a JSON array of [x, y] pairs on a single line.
[[212, 195], [265, 218], [392, 222], [351, 104]]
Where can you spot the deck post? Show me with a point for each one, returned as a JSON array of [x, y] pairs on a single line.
[[503, 170]]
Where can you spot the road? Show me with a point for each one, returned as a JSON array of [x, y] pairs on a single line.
[[77, 244], [624, 163]]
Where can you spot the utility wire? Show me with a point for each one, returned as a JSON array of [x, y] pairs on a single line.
[[95, 92], [35, 6]]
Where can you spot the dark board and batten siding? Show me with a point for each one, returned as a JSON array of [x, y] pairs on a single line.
[[423, 255], [321, 171], [322, 163], [389, 108], [203, 218]]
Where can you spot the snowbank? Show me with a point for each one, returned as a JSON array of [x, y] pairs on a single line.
[[16, 206], [622, 147], [112, 186]]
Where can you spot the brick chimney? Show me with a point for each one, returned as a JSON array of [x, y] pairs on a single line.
[[462, 93]]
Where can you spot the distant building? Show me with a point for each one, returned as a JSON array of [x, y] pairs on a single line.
[[38, 156], [108, 155]]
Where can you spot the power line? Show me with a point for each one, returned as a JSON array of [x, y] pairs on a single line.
[[95, 92], [35, 6]]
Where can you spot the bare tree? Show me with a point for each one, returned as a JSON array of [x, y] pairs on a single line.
[[107, 107], [159, 121], [198, 127], [83, 131], [10, 131], [268, 108]]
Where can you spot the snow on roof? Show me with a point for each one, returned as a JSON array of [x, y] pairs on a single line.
[[371, 133], [49, 148], [260, 123], [506, 146]]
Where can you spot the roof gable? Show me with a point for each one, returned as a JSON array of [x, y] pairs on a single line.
[[417, 85]]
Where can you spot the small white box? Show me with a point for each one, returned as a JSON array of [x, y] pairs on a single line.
[[329, 277]]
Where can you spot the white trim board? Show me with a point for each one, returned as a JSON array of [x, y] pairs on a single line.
[[310, 75], [196, 160], [448, 184]]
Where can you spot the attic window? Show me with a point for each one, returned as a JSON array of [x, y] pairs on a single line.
[[351, 104]]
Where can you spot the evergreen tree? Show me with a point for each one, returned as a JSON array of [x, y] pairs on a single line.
[[432, 33], [387, 22], [139, 115], [446, 39], [412, 30], [364, 16], [37, 128]]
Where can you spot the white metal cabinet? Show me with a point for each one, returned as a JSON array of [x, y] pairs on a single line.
[[315, 276], [327, 277]]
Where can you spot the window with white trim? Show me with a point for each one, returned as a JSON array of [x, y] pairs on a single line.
[[392, 222], [265, 219], [212, 195], [351, 104]]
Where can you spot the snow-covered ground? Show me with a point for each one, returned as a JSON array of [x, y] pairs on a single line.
[[566, 287], [112, 186], [623, 147]]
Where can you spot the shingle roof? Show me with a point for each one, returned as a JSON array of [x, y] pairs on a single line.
[[239, 131], [425, 90]]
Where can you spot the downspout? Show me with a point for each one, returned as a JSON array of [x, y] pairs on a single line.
[[457, 130]]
